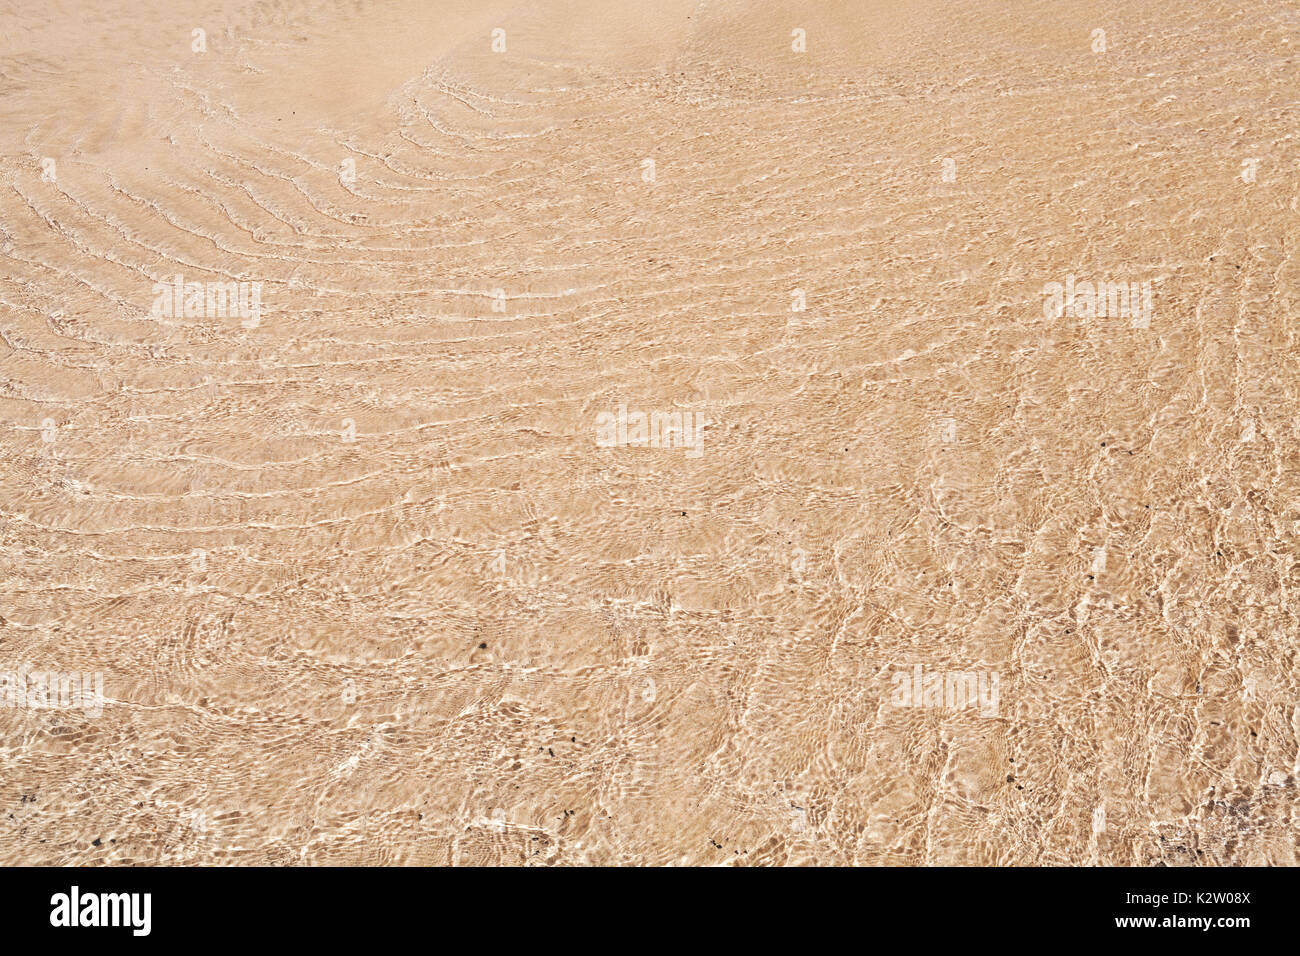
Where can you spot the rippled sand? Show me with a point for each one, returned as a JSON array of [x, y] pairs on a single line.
[[365, 584]]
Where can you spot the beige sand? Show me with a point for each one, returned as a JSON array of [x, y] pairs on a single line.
[[362, 544]]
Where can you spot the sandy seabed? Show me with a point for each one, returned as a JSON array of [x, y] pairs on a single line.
[[588, 432]]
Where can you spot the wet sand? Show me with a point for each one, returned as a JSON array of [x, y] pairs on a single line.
[[692, 433]]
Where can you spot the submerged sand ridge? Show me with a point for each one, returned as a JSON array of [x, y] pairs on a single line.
[[729, 432]]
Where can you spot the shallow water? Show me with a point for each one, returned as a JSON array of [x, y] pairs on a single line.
[[363, 585]]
